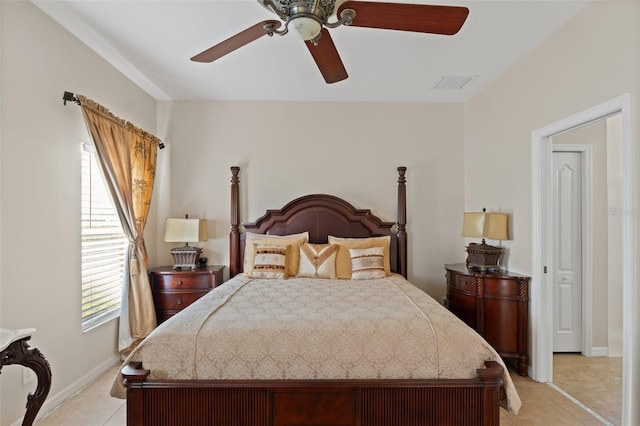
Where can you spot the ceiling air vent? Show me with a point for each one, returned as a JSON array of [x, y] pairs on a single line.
[[454, 82]]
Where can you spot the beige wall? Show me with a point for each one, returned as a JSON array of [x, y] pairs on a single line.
[[40, 194], [591, 60], [286, 150]]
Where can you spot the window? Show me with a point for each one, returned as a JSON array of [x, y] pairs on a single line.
[[104, 247]]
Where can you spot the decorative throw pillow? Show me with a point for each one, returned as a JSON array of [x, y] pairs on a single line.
[[343, 259], [269, 261], [317, 260], [293, 252], [367, 263]]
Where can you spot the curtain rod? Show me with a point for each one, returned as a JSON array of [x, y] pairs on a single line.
[[70, 97]]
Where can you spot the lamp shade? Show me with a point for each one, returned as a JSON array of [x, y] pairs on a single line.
[[185, 230], [493, 226]]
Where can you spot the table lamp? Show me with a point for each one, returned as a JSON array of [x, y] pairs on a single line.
[[187, 231], [492, 226]]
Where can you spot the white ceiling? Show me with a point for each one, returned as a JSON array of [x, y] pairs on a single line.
[[151, 42]]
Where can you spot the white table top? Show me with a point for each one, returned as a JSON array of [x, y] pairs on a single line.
[[8, 336]]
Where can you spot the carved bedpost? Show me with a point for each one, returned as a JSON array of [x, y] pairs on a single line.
[[134, 377], [402, 221], [234, 236]]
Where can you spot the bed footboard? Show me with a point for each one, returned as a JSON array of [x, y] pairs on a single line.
[[297, 403]]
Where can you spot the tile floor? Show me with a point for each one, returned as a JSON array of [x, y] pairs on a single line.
[[541, 404], [544, 405], [595, 381], [93, 406]]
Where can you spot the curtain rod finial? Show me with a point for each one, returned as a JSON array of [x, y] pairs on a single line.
[[68, 96]]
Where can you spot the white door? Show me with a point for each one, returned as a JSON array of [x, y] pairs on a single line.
[[567, 318]]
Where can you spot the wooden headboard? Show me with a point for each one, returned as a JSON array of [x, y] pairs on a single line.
[[321, 215]]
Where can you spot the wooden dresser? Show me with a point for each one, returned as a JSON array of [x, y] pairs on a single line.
[[173, 290], [496, 305]]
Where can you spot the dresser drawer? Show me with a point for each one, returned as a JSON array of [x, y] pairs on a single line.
[[180, 281], [465, 284], [502, 288], [176, 301]]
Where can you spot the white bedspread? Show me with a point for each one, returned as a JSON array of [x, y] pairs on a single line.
[[303, 328]]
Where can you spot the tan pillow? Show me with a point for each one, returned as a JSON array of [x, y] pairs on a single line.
[[269, 261], [367, 263], [293, 251], [343, 259], [317, 260]]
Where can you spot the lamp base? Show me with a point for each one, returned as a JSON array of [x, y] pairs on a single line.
[[185, 257], [483, 257]]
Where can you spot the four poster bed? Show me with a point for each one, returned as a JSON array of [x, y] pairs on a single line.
[[368, 348]]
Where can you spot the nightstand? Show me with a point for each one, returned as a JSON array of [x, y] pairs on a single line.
[[496, 305], [175, 289]]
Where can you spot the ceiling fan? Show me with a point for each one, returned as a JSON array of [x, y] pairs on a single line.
[[310, 18]]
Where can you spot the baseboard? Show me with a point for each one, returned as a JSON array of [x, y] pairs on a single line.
[[54, 401], [615, 341], [602, 351], [615, 351]]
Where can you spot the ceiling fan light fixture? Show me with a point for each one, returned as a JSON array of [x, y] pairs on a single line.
[[306, 26]]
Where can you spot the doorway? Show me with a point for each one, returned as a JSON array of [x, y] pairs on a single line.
[[542, 243], [587, 298]]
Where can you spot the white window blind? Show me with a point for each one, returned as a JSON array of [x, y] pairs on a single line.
[[103, 247]]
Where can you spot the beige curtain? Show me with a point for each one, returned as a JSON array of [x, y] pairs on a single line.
[[128, 157]]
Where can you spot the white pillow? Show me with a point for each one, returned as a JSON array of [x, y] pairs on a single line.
[[269, 261], [293, 252], [367, 263], [318, 260], [343, 259]]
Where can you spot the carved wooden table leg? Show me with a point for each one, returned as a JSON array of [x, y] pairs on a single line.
[[18, 352]]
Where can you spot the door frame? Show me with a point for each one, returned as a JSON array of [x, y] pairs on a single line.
[[541, 326], [586, 232]]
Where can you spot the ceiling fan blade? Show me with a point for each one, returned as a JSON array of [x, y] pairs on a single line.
[[327, 58], [422, 18], [235, 42]]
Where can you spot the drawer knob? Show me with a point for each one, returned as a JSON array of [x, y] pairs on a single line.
[[179, 302], [179, 282]]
